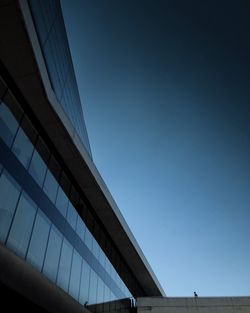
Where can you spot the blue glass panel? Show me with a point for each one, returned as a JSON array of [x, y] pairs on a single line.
[[112, 296], [37, 168], [20, 232], [40, 23], [92, 287], [39, 239], [88, 239], [75, 275], [72, 215], [80, 228], [84, 287], [62, 201], [95, 248], [100, 291], [106, 293], [113, 273], [8, 125], [22, 148], [9, 191], [102, 258], [108, 266], [65, 265], [51, 32], [52, 254], [51, 66], [49, 11], [50, 186]]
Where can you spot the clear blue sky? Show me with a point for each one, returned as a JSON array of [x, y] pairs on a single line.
[[166, 97]]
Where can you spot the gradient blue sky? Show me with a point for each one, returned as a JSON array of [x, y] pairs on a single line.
[[166, 97]]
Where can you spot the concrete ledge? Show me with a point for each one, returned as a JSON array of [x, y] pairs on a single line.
[[189, 305]]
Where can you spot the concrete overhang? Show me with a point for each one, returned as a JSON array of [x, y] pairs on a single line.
[[21, 53]]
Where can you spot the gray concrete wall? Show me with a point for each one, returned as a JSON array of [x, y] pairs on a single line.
[[194, 305], [117, 306]]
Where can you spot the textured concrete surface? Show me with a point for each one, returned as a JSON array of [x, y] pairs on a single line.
[[193, 305]]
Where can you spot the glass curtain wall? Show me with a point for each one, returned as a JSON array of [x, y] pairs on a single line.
[[49, 24], [44, 220]]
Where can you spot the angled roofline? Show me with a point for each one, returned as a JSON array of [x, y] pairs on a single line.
[[31, 77]]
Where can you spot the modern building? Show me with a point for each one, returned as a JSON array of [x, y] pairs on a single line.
[[64, 245]]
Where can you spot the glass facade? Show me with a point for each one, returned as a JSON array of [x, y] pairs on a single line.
[[48, 20], [44, 220]]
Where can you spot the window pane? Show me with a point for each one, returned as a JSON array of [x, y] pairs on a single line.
[[22, 225], [108, 266], [95, 248], [92, 287], [50, 186], [72, 215], [100, 291], [80, 228], [106, 293], [62, 201], [37, 168], [112, 296], [8, 125], [38, 241], [88, 239], [75, 275], [113, 273], [9, 191], [102, 258], [52, 254], [22, 148], [64, 266], [84, 288]]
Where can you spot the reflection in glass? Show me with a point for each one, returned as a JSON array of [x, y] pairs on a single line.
[[100, 291], [65, 265], [95, 248], [102, 258], [39, 239], [108, 266], [88, 239], [84, 286], [75, 275], [11, 190], [112, 296], [92, 287], [62, 201], [8, 125], [50, 186], [22, 148], [71, 215], [80, 227], [52, 254], [106, 293], [20, 232], [37, 168]]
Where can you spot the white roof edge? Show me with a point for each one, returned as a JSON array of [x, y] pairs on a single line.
[[77, 141]]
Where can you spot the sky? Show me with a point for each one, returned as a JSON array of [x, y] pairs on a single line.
[[166, 99]]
